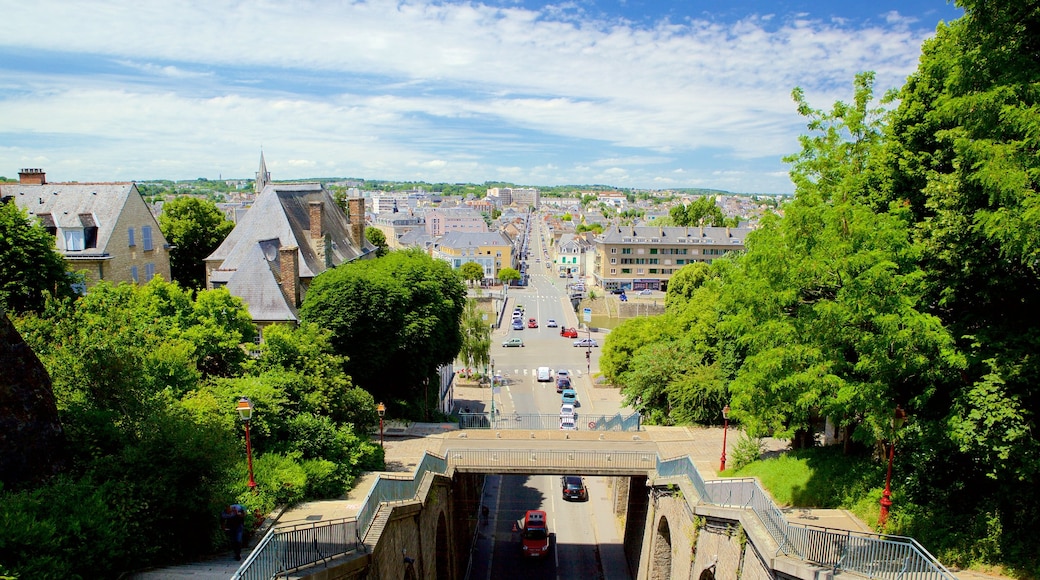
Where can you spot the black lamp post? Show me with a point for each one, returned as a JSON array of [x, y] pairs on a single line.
[[245, 411], [381, 409], [725, 430], [886, 497]]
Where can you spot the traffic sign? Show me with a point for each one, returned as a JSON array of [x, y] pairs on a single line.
[[592, 424], [586, 314]]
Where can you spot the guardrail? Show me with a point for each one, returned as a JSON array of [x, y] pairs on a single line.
[[873, 555]]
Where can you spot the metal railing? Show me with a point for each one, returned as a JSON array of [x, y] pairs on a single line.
[[539, 422], [873, 555]]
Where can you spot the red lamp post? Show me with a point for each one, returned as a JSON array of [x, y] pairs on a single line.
[[725, 430], [381, 409], [886, 497], [245, 411]]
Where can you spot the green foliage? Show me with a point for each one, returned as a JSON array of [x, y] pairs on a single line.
[[747, 451], [476, 337], [471, 272], [377, 239], [508, 275], [195, 228], [395, 319], [703, 211], [30, 267]]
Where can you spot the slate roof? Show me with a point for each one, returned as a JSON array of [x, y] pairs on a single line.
[[76, 205], [673, 235], [473, 239], [257, 285]]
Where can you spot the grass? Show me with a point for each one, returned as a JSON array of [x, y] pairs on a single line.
[[820, 478]]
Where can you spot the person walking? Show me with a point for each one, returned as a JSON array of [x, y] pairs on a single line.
[[232, 521]]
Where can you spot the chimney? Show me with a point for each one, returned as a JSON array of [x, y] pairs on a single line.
[[290, 274], [317, 211], [356, 214], [32, 177]]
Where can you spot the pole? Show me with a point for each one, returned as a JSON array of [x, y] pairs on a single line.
[[380, 430], [249, 460], [725, 431], [886, 496]]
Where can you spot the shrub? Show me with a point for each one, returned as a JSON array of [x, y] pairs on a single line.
[[747, 451]]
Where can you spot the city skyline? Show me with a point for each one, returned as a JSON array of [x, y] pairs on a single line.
[[647, 95]]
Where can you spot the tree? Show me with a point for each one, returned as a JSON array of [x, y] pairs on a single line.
[[471, 272], [508, 275], [476, 337], [378, 239], [395, 319], [702, 211], [30, 267], [195, 228]]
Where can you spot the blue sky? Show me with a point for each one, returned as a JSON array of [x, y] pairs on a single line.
[[644, 94]]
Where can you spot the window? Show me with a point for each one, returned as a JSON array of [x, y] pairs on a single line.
[[626, 270], [133, 274], [73, 239], [613, 260], [130, 237], [626, 250], [653, 270], [146, 237], [639, 270], [613, 270], [613, 250], [149, 272], [653, 250]]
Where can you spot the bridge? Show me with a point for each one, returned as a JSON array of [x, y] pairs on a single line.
[[668, 461]]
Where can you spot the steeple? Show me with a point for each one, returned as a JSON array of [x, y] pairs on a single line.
[[263, 177]]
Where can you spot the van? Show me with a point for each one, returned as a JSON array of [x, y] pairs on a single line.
[[544, 374]]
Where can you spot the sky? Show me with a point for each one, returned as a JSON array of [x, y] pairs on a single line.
[[634, 93]]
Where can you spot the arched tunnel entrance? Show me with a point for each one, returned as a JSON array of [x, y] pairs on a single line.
[[661, 559]]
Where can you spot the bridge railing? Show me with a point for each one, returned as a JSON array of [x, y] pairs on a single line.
[[887, 557], [539, 422], [874, 555]]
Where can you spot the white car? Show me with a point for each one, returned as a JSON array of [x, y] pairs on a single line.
[[567, 410], [551, 323], [646, 292], [586, 342], [568, 424]]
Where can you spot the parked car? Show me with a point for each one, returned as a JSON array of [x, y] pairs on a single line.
[[518, 324], [569, 397], [586, 342], [646, 292], [569, 332], [551, 323], [574, 488], [532, 323], [617, 291], [515, 341], [562, 383]]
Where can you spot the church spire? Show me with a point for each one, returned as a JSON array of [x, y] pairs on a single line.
[[263, 177]]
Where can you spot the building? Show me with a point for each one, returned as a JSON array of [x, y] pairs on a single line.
[[569, 255], [395, 225], [635, 258], [104, 230], [292, 233], [440, 220], [492, 250], [519, 196]]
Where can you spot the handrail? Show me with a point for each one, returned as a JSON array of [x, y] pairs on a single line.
[[874, 555]]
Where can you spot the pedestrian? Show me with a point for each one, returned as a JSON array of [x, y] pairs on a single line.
[[232, 521]]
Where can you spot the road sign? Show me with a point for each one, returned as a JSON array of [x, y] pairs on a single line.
[[592, 424], [586, 314]]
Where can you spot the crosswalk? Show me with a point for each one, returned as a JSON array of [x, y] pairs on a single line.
[[533, 372]]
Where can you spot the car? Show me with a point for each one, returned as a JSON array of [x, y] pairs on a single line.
[[562, 383], [537, 260], [623, 298], [646, 292], [551, 323], [532, 323], [617, 290], [518, 324], [586, 342], [544, 374], [568, 423], [569, 397], [567, 411], [573, 487], [515, 341], [569, 332], [563, 373]]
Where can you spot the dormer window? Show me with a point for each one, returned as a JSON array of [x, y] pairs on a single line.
[[74, 239]]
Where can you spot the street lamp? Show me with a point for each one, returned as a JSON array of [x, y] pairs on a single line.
[[725, 430], [886, 497], [381, 409], [245, 410], [492, 389], [588, 353]]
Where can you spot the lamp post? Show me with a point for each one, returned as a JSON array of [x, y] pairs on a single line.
[[588, 353], [492, 389], [886, 497], [245, 411], [381, 409], [725, 430]]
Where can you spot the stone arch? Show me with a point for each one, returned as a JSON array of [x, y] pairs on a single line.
[[707, 574], [442, 554], [661, 556]]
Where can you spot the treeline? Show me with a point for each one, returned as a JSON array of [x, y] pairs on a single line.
[[903, 275]]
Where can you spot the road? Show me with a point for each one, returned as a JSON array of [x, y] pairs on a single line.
[[585, 542]]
